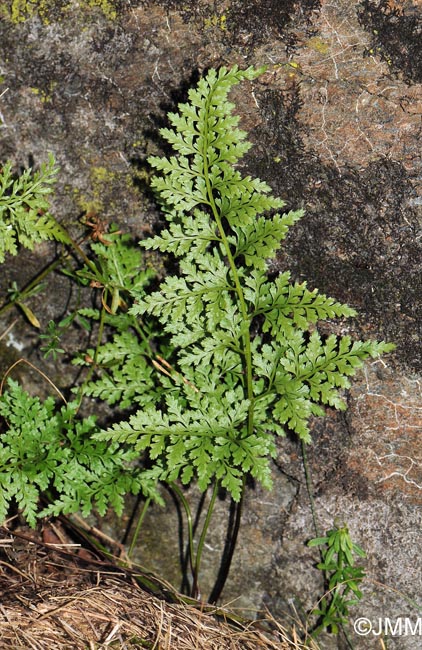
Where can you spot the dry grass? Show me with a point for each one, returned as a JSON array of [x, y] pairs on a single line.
[[54, 598]]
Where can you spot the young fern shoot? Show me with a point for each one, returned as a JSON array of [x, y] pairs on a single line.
[[253, 363]]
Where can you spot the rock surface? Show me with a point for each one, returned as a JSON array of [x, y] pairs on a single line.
[[337, 121]]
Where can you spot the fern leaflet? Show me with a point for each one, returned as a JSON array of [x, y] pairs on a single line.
[[24, 208]]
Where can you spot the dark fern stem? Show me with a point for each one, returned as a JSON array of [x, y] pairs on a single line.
[[233, 527]]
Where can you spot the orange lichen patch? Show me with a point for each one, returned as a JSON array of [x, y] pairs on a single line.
[[387, 421]]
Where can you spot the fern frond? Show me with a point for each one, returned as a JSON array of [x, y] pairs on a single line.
[[44, 450], [313, 373], [202, 440], [124, 372], [241, 199], [24, 206], [233, 329], [195, 293], [118, 265]]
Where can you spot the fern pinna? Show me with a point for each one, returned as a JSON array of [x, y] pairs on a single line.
[[24, 208], [249, 362]]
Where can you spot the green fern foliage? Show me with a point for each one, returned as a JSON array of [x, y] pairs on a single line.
[[249, 363], [49, 452], [343, 578], [24, 216], [116, 267], [124, 374]]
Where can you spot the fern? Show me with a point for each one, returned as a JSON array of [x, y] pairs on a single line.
[[49, 452], [235, 362], [116, 267], [123, 371], [250, 362], [52, 455], [24, 216], [124, 374], [342, 576]]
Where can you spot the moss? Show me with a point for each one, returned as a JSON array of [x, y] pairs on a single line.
[[18, 11], [104, 192], [216, 21], [108, 7], [318, 45], [86, 203], [45, 96], [100, 175]]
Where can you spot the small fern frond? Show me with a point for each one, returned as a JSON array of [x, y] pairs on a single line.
[[44, 450], [24, 208]]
